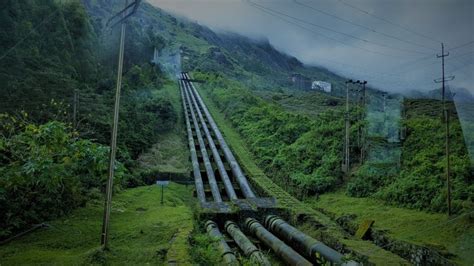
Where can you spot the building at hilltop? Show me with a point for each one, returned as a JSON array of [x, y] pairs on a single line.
[[321, 85]]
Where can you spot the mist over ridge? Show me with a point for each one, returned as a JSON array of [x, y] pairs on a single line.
[[396, 66]]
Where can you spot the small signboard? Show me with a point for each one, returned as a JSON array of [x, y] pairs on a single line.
[[364, 228], [163, 182]]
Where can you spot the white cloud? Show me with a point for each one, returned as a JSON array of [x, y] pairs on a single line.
[[448, 20]]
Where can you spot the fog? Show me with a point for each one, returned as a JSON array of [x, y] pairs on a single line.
[[391, 44]]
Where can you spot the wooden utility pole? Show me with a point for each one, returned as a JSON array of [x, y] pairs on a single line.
[[443, 80], [74, 110], [362, 129], [113, 144], [346, 167], [346, 138]]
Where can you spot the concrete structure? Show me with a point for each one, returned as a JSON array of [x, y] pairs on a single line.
[[321, 85]]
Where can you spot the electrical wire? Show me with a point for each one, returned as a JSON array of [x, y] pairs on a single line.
[[362, 26], [388, 21], [334, 31], [340, 63], [47, 19], [463, 66], [319, 33], [461, 46]]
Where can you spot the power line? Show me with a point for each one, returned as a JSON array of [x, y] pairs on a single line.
[[316, 32], [461, 46], [335, 31], [47, 19], [404, 69], [362, 26], [461, 55], [277, 15], [388, 21], [335, 62], [411, 63], [463, 66], [340, 63]]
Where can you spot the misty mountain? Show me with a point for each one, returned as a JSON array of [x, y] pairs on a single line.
[[226, 53]]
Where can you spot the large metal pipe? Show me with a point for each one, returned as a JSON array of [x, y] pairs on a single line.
[[192, 148], [215, 153], [280, 248], [249, 249], [313, 249], [236, 170], [207, 163], [227, 255]]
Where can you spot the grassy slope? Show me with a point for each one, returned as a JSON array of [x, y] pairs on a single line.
[[310, 103], [429, 229], [377, 255], [456, 237], [170, 154], [140, 231]]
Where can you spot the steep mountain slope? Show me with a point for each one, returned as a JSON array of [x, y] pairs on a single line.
[[223, 53]]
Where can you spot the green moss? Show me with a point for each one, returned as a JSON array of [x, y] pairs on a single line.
[[427, 229], [141, 230]]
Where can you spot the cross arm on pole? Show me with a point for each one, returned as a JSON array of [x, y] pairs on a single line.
[[125, 13], [445, 79]]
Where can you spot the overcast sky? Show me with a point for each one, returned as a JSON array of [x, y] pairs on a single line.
[[390, 43]]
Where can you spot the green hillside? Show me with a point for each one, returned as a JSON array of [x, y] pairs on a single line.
[[58, 85]]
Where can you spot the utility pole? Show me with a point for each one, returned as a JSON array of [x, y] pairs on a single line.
[[443, 80], [74, 110], [347, 159], [362, 130], [113, 144]]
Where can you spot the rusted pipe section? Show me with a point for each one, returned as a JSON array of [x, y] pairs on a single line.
[[313, 249], [215, 153], [207, 163], [227, 255], [229, 156], [249, 249], [279, 247], [192, 148]]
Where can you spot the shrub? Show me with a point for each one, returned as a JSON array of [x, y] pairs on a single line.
[[369, 178], [46, 172]]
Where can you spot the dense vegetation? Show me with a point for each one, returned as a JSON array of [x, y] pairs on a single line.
[[46, 171], [421, 181], [51, 161], [304, 153], [293, 149]]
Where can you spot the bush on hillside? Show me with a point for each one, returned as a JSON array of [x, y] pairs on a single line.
[[369, 178], [420, 183], [46, 171]]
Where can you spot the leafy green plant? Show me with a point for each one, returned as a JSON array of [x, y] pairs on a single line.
[[46, 172]]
